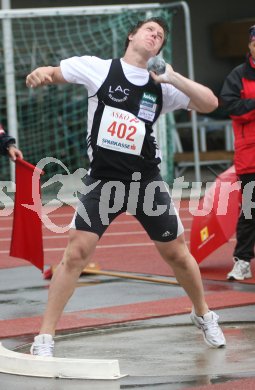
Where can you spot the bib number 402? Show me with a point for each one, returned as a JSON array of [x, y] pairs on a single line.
[[121, 130]]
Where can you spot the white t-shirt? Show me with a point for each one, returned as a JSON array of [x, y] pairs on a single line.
[[92, 71]]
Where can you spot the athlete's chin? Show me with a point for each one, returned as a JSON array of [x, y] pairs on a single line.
[[150, 52]]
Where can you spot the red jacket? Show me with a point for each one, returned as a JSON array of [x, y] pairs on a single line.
[[238, 97]]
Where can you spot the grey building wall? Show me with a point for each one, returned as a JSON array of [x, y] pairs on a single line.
[[204, 14]]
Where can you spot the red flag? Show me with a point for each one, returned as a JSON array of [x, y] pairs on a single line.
[[26, 242], [221, 204]]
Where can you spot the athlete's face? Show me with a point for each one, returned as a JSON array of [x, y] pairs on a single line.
[[149, 37], [252, 49]]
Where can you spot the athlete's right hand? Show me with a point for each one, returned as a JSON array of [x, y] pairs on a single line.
[[39, 77]]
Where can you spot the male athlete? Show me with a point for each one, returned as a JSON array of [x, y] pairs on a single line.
[[125, 101]]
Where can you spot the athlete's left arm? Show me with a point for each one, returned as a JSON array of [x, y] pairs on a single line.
[[202, 99]]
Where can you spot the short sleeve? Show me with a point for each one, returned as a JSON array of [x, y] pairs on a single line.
[[173, 99], [89, 71]]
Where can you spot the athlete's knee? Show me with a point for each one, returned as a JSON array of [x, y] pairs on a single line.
[[178, 258], [177, 255], [78, 252], [74, 259]]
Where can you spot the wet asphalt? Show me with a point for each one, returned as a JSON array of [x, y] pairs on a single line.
[[157, 353]]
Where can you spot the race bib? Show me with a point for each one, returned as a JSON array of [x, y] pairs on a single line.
[[121, 131], [148, 107]]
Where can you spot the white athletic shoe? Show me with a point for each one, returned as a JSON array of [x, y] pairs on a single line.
[[240, 271], [43, 345], [212, 332]]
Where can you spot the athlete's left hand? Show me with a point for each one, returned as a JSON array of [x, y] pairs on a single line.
[[165, 77]]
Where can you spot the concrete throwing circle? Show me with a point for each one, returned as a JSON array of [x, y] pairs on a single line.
[[153, 355], [159, 350], [165, 350]]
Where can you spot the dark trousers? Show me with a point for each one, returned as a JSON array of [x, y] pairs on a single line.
[[245, 230]]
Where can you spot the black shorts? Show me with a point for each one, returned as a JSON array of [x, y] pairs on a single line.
[[149, 201]]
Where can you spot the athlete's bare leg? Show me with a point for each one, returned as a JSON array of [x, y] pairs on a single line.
[[79, 250], [186, 270]]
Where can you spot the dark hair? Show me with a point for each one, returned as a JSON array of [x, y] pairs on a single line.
[[161, 22], [251, 33]]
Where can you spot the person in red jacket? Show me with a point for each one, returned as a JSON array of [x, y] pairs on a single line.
[[7, 146], [238, 98]]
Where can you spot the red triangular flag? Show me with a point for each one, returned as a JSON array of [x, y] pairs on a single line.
[[26, 242]]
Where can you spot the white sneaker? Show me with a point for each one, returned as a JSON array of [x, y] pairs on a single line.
[[43, 345], [240, 271], [212, 333]]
